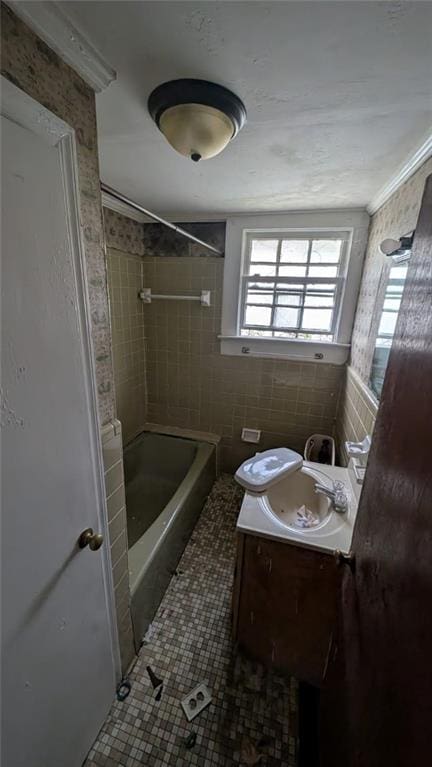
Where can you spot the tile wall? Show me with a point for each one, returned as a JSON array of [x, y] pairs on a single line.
[[112, 452], [182, 380], [127, 323], [191, 385], [356, 413]]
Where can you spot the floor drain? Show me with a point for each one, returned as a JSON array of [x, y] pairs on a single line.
[[195, 701]]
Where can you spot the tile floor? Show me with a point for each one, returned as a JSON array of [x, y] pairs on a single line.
[[252, 717]]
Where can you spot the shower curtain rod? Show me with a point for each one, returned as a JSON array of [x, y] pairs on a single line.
[[121, 197]]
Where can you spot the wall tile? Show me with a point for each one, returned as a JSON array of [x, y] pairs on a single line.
[[112, 450], [357, 412], [191, 385], [128, 340]]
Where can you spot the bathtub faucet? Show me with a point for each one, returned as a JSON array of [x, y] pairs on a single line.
[[336, 495]]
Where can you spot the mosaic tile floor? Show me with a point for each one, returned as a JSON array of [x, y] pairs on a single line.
[[252, 711]]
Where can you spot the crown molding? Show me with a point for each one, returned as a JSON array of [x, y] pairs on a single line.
[[50, 22], [413, 163]]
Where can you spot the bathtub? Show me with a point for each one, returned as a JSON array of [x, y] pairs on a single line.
[[167, 480]]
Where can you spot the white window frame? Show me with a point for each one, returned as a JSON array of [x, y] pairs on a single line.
[[338, 281], [350, 225]]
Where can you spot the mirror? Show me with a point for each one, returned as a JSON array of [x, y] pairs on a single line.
[[387, 323]]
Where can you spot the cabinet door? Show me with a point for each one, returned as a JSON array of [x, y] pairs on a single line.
[[287, 608]]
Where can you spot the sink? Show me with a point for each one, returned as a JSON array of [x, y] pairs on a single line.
[[275, 515], [293, 503]]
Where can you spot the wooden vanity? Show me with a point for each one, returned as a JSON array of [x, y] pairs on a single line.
[[284, 605]]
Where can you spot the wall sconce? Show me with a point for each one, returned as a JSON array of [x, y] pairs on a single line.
[[198, 118], [398, 249]]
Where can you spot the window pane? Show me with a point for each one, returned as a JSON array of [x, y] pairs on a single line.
[[398, 272], [262, 270], [392, 303], [317, 319], [387, 324], [323, 271], [287, 287], [292, 271], [289, 298], [257, 315], [320, 295], [255, 332], [286, 317], [326, 251], [259, 297], [324, 300], [294, 251], [254, 285], [263, 250], [284, 334], [315, 336]]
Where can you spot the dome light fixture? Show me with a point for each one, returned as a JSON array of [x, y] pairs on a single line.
[[198, 118]]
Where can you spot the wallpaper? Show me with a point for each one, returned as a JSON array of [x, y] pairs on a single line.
[[161, 241], [32, 66], [397, 217], [123, 233]]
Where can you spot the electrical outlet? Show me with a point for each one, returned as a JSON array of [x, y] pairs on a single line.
[[251, 435]]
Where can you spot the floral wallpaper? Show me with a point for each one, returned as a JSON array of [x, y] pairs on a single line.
[[123, 233], [397, 217], [32, 66], [160, 241]]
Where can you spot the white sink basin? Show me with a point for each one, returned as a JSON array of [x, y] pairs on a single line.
[[276, 515], [294, 504]]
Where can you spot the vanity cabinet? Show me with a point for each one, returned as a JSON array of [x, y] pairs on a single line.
[[284, 606]]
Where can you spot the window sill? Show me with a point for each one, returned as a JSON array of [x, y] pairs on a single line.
[[326, 352]]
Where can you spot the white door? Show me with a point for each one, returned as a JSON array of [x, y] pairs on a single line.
[[57, 647]]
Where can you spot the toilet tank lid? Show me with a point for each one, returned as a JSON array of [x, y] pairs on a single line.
[[262, 471]]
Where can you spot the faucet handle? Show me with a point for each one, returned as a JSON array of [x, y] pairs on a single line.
[[340, 501]]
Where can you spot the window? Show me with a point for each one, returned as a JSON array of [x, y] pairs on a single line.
[[387, 325], [291, 285], [291, 282]]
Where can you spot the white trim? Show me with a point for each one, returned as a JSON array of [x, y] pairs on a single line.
[[278, 348], [51, 23], [125, 210], [25, 111], [413, 163]]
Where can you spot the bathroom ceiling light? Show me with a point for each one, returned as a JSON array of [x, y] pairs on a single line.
[[198, 118]]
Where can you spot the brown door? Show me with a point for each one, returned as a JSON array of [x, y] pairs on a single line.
[[377, 708]]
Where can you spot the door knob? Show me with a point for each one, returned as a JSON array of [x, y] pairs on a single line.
[[88, 538]]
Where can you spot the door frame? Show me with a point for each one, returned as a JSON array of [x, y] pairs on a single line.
[[20, 108]]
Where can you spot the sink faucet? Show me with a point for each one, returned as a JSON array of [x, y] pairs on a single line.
[[336, 495]]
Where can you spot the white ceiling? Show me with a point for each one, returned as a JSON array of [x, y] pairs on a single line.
[[338, 95]]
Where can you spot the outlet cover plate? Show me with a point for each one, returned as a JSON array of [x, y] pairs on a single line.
[[196, 701], [251, 435]]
